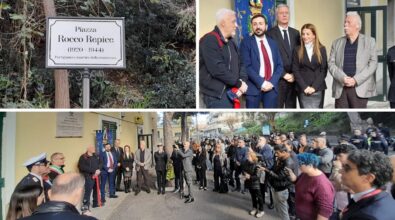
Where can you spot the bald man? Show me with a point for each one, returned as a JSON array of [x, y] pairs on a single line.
[[65, 196], [325, 155], [89, 166]]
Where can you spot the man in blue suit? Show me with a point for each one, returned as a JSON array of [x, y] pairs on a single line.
[[109, 163], [262, 62]]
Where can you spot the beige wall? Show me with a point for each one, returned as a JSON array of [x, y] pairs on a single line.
[[35, 133], [326, 15]]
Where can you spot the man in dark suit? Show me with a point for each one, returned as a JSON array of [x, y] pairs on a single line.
[[118, 151], [262, 62], [391, 72], [287, 39], [365, 173], [109, 162]]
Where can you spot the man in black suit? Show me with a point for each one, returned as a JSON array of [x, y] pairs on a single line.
[[118, 151], [391, 72], [287, 39]]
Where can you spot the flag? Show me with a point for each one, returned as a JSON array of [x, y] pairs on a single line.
[[99, 141], [245, 9]]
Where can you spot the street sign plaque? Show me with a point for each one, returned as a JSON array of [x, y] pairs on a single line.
[[85, 43]]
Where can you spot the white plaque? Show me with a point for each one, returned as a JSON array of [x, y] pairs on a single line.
[[93, 43], [69, 124]]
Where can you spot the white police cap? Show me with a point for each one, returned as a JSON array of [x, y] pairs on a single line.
[[42, 158]]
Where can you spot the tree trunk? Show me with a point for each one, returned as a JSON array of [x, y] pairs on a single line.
[[168, 132], [154, 129], [184, 127], [62, 97], [356, 122]]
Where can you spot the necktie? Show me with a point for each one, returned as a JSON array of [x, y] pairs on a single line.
[[266, 60], [111, 161], [286, 43]]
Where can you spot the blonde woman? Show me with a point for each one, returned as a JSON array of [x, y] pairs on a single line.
[[310, 68]]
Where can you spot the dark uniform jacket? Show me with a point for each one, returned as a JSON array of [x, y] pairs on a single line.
[[377, 207], [57, 210], [28, 180], [360, 142]]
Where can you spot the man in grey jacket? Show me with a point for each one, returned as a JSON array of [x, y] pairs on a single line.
[[325, 155], [143, 161], [187, 156], [353, 63]]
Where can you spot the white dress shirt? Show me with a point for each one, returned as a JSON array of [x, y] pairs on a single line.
[[309, 49], [358, 196], [282, 33], [109, 154], [262, 62]]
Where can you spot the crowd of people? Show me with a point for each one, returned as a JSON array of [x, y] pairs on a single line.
[[272, 68], [304, 177]]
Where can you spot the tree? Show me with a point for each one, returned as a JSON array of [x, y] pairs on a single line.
[[62, 97], [168, 132], [183, 116], [230, 122], [154, 118]]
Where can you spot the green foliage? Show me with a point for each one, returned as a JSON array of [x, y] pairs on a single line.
[[248, 124], [331, 122], [160, 47]]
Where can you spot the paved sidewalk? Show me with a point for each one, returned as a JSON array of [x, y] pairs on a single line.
[[207, 205]]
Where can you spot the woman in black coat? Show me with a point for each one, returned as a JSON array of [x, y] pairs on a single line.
[[250, 169], [160, 157], [310, 67], [127, 160], [201, 166]]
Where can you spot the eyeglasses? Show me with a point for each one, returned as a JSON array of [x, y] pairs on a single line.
[[347, 168]]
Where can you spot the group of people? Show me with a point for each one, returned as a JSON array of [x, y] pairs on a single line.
[[308, 180], [274, 67], [302, 179]]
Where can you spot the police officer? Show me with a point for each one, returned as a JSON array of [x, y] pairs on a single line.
[[358, 140], [391, 72], [378, 143], [37, 166]]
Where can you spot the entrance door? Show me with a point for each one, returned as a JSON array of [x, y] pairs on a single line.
[[374, 23], [148, 144]]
